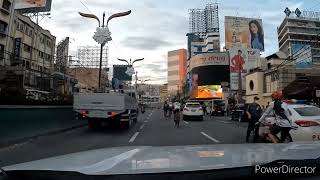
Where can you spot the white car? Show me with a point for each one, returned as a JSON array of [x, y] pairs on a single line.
[[305, 117], [192, 110]]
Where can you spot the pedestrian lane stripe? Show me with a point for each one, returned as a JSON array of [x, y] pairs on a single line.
[[134, 137], [209, 137], [186, 122]]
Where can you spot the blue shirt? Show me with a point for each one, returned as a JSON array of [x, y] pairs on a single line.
[[256, 44]]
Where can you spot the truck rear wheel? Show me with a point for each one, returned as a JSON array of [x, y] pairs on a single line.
[[127, 124], [94, 124]]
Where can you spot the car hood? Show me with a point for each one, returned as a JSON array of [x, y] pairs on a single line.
[[145, 159]]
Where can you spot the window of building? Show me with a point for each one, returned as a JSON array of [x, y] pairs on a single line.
[[199, 49], [1, 51], [20, 27], [6, 5], [27, 48], [26, 31], [41, 54], [42, 39], [30, 32], [3, 27], [27, 64], [251, 84]]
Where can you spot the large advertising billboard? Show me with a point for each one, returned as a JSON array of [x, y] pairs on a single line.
[[302, 55], [244, 32], [32, 6], [209, 91], [205, 59], [241, 59], [208, 75]]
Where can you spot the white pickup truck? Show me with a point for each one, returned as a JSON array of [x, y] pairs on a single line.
[[110, 108]]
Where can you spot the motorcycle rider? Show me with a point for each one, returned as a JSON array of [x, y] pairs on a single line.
[[282, 124], [254, 113]]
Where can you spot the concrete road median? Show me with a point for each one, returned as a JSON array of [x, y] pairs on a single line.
[[20, 123]]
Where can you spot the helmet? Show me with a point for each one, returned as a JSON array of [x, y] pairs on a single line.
[[277, 95]]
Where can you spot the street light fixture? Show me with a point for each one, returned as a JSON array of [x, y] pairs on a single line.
[[102, 34], [130, 62]]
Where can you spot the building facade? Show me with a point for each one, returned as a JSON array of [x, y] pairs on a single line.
[[197, 45], [177, 68], [302, 30], [29, 53], [6, 16], [34, 49]]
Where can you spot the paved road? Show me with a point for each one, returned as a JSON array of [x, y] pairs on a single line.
[[150, 130]]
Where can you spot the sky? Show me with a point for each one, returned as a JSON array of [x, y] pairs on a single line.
[[156, 27]]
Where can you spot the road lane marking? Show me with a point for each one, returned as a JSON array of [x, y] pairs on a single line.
[[209, 137], [225, 122], [142, 126], [134, 137], [186, 122], [145, 121]]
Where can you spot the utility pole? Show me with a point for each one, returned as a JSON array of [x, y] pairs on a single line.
[[101, 52], [239, 85]]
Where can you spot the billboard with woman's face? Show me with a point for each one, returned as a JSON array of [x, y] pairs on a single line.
[[244, 32]]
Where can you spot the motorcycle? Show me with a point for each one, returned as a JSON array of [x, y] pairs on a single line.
[[264, 129]]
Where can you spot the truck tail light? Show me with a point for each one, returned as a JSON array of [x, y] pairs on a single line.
[[306, 123], [112, 113], [83, 112]]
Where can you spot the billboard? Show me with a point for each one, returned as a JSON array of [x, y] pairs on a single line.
[[207, 75], [241, 59], [244, 32], [122, 72], [205, 59], [32, 6], [209, 91], [302, 55]]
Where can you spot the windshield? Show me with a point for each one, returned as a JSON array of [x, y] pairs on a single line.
[[130, 78], [308, 111], [193, 105]]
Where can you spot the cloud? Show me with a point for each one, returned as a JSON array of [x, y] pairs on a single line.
[[144, 43]]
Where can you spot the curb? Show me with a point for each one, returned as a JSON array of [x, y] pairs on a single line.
[[24, 139]]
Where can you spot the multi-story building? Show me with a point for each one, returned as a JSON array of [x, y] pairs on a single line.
[[29, 53], [302, 29], [197, 45], [34, 49], [203, 33], [177, 68], [6, 15]]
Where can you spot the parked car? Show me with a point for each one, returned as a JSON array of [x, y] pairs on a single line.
[[192, 110], [218, 109], [239, 113], [306, 119]]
